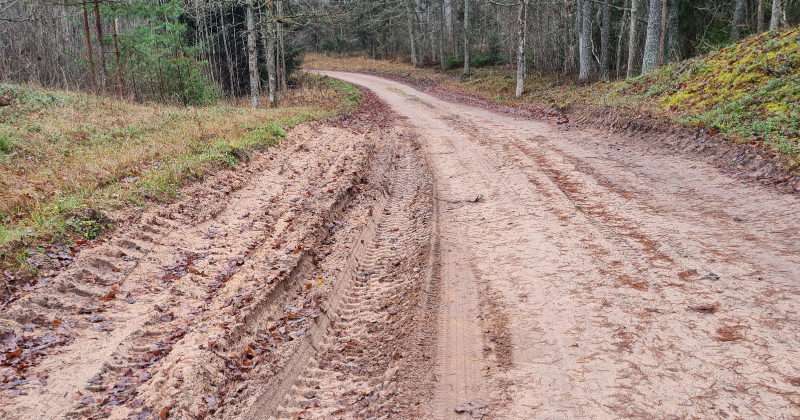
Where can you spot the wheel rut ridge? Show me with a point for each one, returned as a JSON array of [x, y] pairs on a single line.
[[352, 376], [141, 268]]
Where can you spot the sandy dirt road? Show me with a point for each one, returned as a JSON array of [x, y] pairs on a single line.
[[601, 277], [456, 264]]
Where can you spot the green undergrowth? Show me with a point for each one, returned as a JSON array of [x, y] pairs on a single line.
[[747, 92], [67, 159]]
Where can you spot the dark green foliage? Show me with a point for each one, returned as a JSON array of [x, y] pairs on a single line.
[[294, 57], [5, 143], [453, 62], [492, 56], [157, 57]]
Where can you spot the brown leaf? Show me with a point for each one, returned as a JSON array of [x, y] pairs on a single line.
[[164, 413]]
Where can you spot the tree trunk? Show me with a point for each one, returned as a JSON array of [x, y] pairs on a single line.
[[569, 57], [586, 41], [738, 17], [281, 48], [673, 49], [268, 34], [663, 32], [227, 51], [650, 59], [633, 37], [621, 35], [410, 14], [89, 48], [442, 62], [252, 58], [120, 77], [760, 17], [775, 19], [99, 26], [605, 40], [466, 39], [522, 32]]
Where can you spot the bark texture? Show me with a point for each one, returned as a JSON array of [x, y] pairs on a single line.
[[775, 19], [738, 18], [522, 32], [252, 56], [633, 37], [605, 40], [650, 58], [466, 38], [586, 41]]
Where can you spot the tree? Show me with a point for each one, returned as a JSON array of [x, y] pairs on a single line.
[[738, 17], [467, 35], [605, 40], [411, 36], [775, 19], [633, 37], [586, 41], [651, 52], [522, 32], [673, 52], [252, 55]]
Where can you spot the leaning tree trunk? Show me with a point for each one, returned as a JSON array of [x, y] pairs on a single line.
[[760, 17], [775, 19], [605, 40], [586, 41], [466, 38], [673, 51], [410, 14], [738, 16], [522, 33], [633, 37], [252, 55], [650, 59]]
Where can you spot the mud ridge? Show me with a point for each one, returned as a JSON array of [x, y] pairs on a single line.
[[747, 162]]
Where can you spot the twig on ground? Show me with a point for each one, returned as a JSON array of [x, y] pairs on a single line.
[[475, 200]]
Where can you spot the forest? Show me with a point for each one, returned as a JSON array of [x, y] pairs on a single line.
[[196, 51]]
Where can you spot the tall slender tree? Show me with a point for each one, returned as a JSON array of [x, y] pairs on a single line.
[[586, 41], [738, 18], [522, 34], [633, 37], [605, 40], [467, 35], [252, 56], [775, 18], [651, 53]]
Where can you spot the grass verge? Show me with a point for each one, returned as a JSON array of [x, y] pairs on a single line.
[[745, 93], [68, 159]]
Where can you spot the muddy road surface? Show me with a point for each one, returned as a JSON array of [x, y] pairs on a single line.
[[459, 264]]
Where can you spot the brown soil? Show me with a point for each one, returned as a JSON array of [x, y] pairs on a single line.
[[455, 263]]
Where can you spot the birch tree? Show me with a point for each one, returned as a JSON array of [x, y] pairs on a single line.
[[522, 33]]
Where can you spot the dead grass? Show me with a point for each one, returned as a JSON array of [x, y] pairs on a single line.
[[70, 151]]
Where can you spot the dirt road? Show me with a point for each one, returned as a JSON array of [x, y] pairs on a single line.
[[599, 277], [461, 264]]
